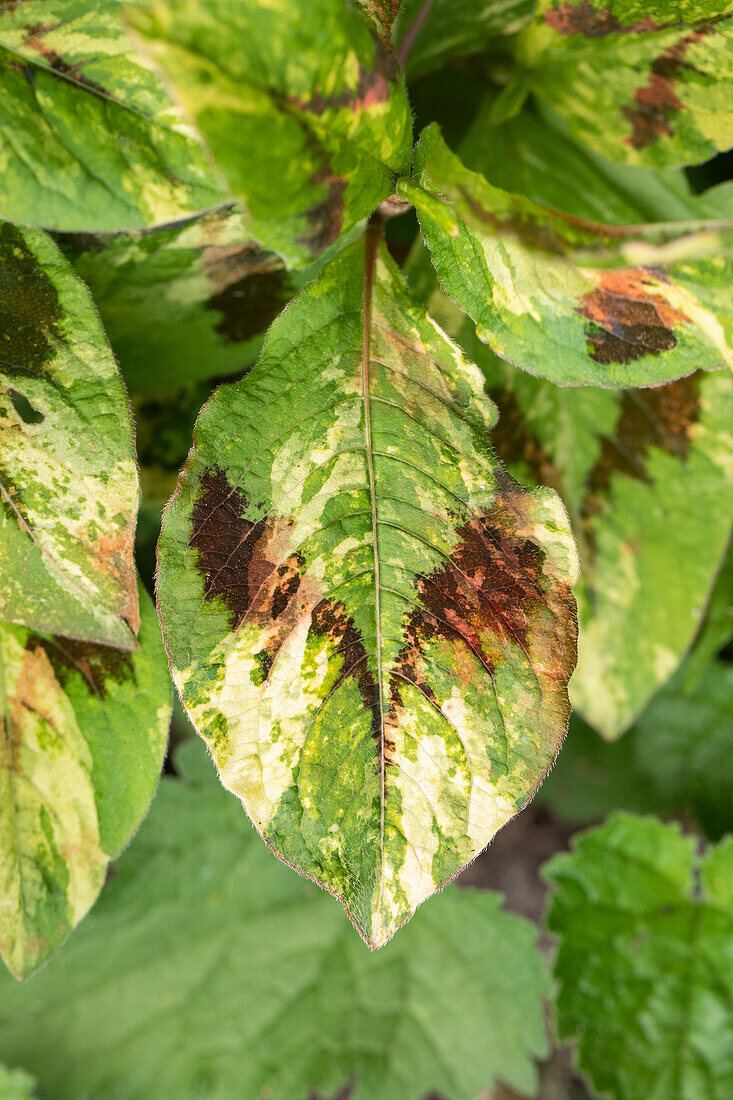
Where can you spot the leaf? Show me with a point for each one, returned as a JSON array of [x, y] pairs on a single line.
[[68, 482], [314, 104], [15, 1084], [569, 300], [182, 302], [369, 623], [84, 730], [428, 33], [89, 139], [644, 83], [213, 971], [644, 966], [381, 13]]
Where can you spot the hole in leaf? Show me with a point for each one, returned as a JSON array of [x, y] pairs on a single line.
[[24, 409]]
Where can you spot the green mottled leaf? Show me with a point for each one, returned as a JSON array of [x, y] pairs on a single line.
[[83, 730], [369, 623], [307, 118], [183, 302], [381, 13], [211, 970], [573, 301], [68, 483], [430, 32], [89, 139], [643, 83], [15, 1084], [644, 961]]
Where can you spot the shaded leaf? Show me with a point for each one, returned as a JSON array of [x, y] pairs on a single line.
[[89, 139], [68, 483], [368, 621], [643, 83], [569, 300], [428, 33], [84, 730], [210, 969], [309, 136], [645, 970]]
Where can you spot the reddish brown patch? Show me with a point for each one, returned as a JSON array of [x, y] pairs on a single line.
[[325, 219], [583, 18], [373, 86], [56, 62], [629, 321]]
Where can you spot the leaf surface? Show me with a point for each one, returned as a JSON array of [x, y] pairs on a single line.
[[151, 986], [644, 962], [68, 483], [647, 84], [15, 1084], [370, 624], [428, 33], [89, 139], [576, 302], [314, 104], [83, 729]]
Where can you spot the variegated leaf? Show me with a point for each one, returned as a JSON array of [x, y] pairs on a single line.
[[381, 12], [89, 138], [305, 114], [570, 300], [428, 33], [68, 483], [83, 730], [647, 83], [369, 622]]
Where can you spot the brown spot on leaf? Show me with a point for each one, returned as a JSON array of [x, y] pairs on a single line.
[[515, 442], [56, 62], [95, 663], [584, 18], [325, 218], [629, 320], [372, 87], [30, 312]]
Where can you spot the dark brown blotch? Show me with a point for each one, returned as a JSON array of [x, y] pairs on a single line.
[[325, 218], [97, 664], [249, 305], [584, 18], [56, 62], [629, 320], [30, 312]]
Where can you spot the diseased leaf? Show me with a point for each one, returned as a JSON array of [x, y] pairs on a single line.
[[569, 300], [68, 483], [15, 1084], [89, 139], [428, 33], [307, 118], [183, 302], [83, 730], [368, 621], [643, 83], [381, 13], [210, 969], [644, 962]]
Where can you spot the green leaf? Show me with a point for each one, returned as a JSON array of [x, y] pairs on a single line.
[[211, 970], [84, 730], [644, 83], [569, 300], [644, 962], [89, 138], [381, 13], [183, 302], [305, 115], [15, 1084], [428, 33], [68, 483], [368, 621]]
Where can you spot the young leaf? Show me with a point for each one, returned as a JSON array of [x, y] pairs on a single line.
[[183, 302], [644, 962], [68, 483], [569, 300], [83, 729], [211, 970], [89, 139], [368, 621], [645, 83], [304, 112]]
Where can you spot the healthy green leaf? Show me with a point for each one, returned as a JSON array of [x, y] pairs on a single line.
[[83, 729], [15, 1084], [542, 291], [89, 139], [68, 483], [645, 83], [644, 961], [368, 621], [305, 114], [183, 302], [211, 970]]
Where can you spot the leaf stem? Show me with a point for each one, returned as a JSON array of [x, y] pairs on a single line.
[[409, 40]]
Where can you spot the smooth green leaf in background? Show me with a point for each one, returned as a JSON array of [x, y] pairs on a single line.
[[644, 960], [368, 621], [571, 301], [645, 83], [307, 118], [83, 730], [210, 970], [68, 483], [89, 138], [15, 1084]]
